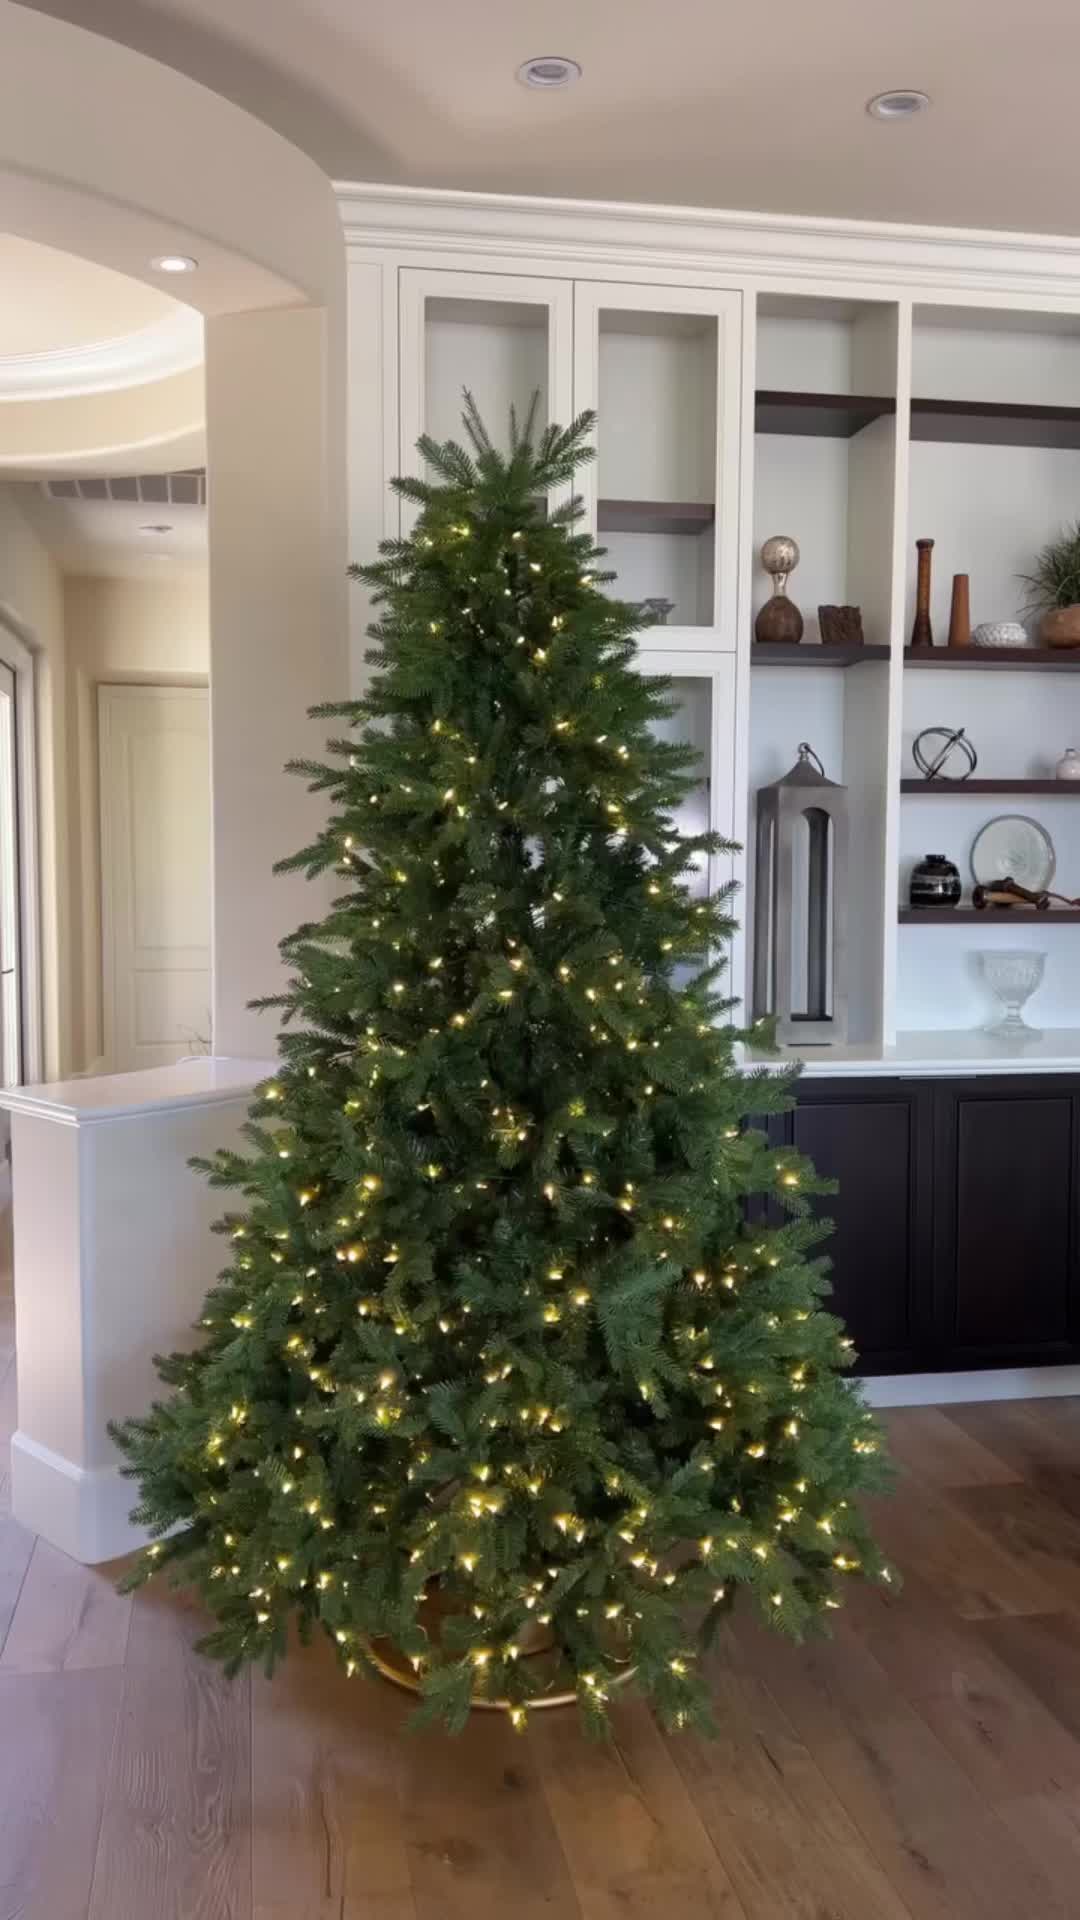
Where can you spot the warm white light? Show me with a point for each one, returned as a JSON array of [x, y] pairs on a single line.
[[174, 263]]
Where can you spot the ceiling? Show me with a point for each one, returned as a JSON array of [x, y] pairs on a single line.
[[107, 537], [695, 102], [56, 302], [100, 374]]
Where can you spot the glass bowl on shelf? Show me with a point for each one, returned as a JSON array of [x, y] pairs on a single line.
[[1013, 976]]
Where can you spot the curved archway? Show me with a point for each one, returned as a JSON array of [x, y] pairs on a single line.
[[107, 154]]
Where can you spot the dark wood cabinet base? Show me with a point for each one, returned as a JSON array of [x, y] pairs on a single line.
[[956, 1227]]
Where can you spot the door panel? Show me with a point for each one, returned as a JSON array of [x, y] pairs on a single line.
[[875, 1147], [1006, 1248], [155, 870]]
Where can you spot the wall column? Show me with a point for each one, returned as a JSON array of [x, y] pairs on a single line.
[[275, 407]]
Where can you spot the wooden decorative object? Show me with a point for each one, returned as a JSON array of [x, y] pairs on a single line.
[[779, 620], [840, 626], [1009, 893], [922, 633], [960, 612]]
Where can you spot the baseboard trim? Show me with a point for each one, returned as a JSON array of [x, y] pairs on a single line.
[[84, 1511], [949, 1389]]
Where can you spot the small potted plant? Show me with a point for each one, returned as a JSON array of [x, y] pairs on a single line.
[[1054, 588]]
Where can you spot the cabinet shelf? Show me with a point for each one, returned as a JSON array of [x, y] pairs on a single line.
[[780, 653], [654, 516], [990, 916], [832, 416], [992, 423], [978, 659], [995, 423], [955, 789]]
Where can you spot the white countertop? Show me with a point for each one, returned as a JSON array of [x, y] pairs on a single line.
[[944, 1054], [190, 1083]]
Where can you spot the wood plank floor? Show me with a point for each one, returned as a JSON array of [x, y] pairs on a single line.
[[924, 1764]]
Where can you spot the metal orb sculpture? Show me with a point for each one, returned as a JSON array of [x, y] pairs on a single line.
[[800, 905], [935, 747]]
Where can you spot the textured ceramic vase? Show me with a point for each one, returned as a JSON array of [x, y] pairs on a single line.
[[1068, 767], [1061, 627], [935, 882]]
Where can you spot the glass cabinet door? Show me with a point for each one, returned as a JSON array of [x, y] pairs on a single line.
[[501, 337], [661, 367], [703, 689]]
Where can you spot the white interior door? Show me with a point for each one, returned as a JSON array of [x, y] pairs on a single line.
[[154, 752]]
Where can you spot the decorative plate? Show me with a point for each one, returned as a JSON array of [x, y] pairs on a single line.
[[1013, 847]]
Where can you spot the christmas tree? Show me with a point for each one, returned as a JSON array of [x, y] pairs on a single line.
[[497, 1323]]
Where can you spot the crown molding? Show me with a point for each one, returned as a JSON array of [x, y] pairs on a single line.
[[701, 239], [173, 344]]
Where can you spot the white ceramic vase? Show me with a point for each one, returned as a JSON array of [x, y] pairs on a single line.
[[1068, 767]]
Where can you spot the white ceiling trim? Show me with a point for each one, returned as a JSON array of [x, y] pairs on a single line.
[[698, 239], [173, 344]]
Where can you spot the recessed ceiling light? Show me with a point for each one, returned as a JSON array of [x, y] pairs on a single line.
[[157, 526], [898, 105], [173, 263], [548, 70]]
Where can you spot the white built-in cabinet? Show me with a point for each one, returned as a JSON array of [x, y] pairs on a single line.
[[856, 388]]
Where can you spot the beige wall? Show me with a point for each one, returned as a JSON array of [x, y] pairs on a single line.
[[276, 446], [118, 632], [31, 588]]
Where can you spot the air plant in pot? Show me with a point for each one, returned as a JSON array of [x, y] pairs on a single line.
[[1054, 589]]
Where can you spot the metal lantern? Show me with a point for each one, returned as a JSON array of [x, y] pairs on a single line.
[[800, 904]]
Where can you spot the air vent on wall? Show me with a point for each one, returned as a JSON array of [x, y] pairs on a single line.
[[186, 489]]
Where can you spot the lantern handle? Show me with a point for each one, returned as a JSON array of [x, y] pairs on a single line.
[[806, 752]]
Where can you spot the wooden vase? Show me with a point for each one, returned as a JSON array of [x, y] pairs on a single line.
[[922, 633], [960, 612], [779, 622]]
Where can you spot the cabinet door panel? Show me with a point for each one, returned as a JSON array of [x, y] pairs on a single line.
[[661, 366], [502, 337], [1012, 1241], [871, 1145]]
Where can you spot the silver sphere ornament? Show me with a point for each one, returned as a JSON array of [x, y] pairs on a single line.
[[780, 555]]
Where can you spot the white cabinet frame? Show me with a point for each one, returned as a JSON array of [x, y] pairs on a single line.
[[419, 285], [593, 297]]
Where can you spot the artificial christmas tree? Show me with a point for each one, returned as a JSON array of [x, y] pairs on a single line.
[[495, 1328]]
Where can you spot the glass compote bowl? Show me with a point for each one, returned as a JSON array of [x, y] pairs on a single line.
[[1013, 977]]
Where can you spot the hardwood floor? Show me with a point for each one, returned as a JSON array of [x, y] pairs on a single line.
[[924, 1764]]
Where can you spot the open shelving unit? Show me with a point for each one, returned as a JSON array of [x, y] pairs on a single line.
[[688, 483]]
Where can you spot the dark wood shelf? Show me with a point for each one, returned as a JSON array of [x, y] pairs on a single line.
[[995, 916], [654, 516], [1046, 659], [988, 423], [995, 423], [781, 653], [833, 416], [1062, 789]]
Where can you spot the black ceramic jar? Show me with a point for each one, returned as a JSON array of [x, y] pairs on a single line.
[[935, 882]]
